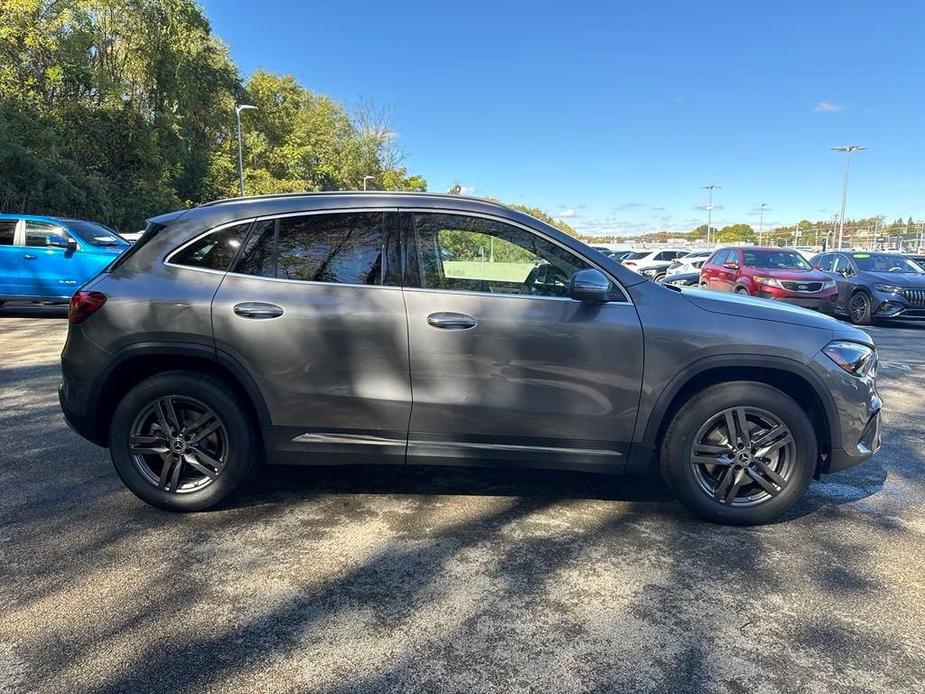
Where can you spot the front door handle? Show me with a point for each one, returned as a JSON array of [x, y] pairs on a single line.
[[258, 310], [29, 256], [447, 320]]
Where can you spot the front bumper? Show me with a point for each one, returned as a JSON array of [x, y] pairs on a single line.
[[824, 302], [854, 424]]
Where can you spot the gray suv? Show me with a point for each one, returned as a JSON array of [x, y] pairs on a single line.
[[413, 329]]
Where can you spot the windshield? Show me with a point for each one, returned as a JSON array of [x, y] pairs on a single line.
[[636, 255], [96, 234], [886, 263], [776, 260]]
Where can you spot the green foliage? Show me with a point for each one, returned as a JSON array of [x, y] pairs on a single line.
[[736, 233], [115, 110], [543, 217]]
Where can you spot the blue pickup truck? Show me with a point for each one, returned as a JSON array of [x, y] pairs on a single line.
[[47, 259]]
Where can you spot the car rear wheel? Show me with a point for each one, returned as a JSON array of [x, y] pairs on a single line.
[[859, 309], [739, 453], [182, 441]]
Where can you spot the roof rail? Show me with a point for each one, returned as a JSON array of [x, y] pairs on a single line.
[[369, 193]]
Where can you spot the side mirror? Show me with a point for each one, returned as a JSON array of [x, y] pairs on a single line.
[[731, 266], [61, 242], [589, 285]]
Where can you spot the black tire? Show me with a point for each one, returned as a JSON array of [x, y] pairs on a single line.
[[703, 285], [859, 308], [742, 290], [681, 474], [659, 278], [239, 442]]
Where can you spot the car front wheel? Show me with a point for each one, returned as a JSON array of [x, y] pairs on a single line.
[[182, 441], [859, 309], [739, 453]]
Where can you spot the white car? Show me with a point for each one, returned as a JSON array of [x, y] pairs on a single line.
[[642, 260], [689, 263]]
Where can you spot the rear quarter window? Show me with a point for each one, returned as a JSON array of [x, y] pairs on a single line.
[[214, 251]]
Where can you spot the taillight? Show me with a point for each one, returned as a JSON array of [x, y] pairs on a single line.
[[83, 305]]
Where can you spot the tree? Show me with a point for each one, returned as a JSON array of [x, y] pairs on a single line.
[[736, 233], [119, 109], [543, 217]]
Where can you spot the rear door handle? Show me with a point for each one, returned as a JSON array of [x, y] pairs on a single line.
[[258, 310], [29, 256], [447, 320]]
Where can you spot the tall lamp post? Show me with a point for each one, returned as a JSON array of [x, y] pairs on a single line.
[[365, 179], [237, 112], [763, 207], [847, 149], [711, 187]]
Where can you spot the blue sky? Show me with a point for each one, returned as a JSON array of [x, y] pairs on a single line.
[[612, 115]]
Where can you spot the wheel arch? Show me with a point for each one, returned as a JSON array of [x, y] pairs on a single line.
[[135, 363], [788, 376]]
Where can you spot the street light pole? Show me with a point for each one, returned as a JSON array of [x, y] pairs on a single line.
[[764, 206], [365, 179], [710, 187], [237, 112], [847, 149]]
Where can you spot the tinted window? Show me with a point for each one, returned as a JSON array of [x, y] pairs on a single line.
[[886, 263], [636, 255], [825, 262], [721, 257], [841, 264], [213, 251], [474, 254], [96, 234], [37, 233], [776, 260], [7, 231], [337, 248]]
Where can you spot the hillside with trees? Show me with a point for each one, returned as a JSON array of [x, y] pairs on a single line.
[[114, 110]]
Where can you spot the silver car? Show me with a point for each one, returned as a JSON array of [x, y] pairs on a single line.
[[411, 329]]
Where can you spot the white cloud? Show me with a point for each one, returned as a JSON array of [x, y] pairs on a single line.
[[827, 107], [466, 190], [658, 208], [567, 212]]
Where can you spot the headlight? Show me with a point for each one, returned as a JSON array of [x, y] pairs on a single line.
[[828, 284], [855, 358], [888, 288], [769, 281]]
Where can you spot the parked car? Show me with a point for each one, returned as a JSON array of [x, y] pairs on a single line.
[[329, 328], [684, 279], [771, 273], [655, 271], [617, 255], [46, 258], [642, 260], [691, 262], [875, 285]]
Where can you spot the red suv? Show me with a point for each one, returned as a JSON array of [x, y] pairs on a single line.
[[771, 273]]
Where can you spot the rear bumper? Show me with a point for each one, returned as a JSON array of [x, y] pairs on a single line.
[[79, 423]]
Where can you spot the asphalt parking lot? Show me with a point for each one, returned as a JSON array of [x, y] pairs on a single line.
[[366, 579]]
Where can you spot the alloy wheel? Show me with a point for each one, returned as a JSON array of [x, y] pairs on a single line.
[[179, 444], [743, 456], [858, 307]]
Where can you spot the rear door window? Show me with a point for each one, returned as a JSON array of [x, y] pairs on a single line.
[[339, 248], [7, 232]]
